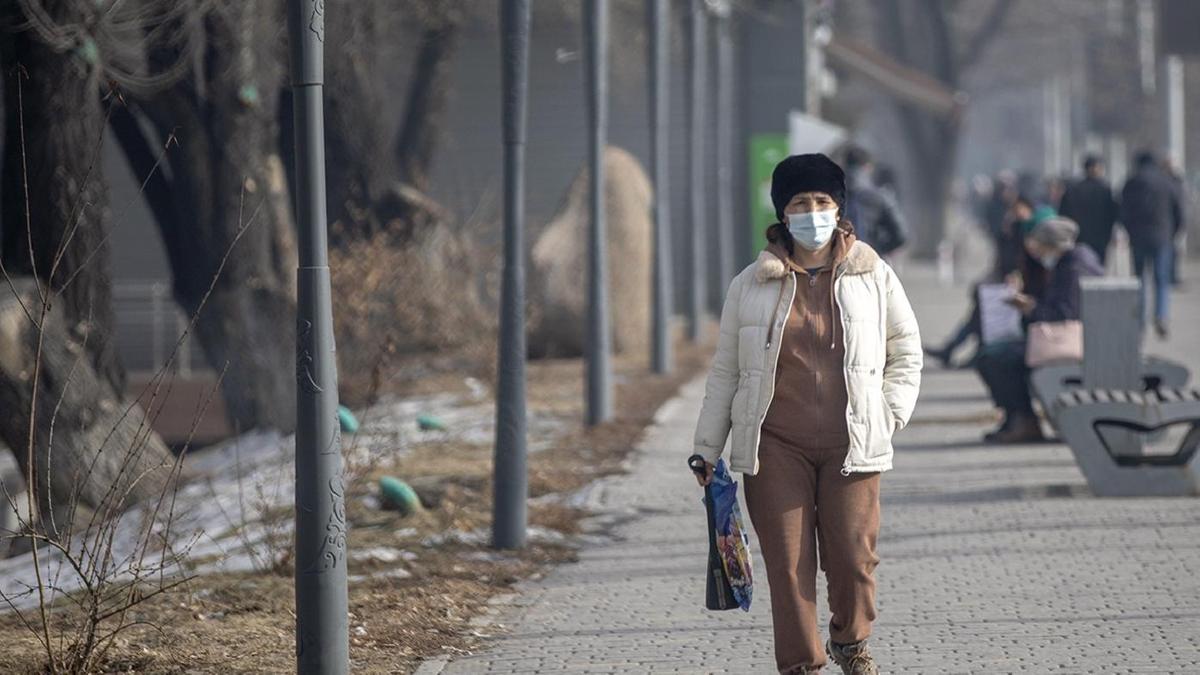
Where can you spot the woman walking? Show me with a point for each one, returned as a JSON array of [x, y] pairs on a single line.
[[817, 365]]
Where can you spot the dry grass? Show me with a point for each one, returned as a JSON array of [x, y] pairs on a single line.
[[244, 623], [394, 302]]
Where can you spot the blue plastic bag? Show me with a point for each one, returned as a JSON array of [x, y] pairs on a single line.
[[733, 543]]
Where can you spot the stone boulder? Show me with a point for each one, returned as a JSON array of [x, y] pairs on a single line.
[[558, 264]]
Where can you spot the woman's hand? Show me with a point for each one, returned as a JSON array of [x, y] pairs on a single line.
[[707, 477], [1022, 302], [1014, 280]]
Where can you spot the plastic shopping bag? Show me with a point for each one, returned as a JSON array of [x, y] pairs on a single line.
[[730, 583]]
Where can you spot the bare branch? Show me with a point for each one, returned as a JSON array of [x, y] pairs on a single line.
[[978, 43]]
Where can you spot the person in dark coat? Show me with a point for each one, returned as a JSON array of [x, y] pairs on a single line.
[[1152, 214], [875, 214], [1090, 203], [1049, 293], [1177, 249], [1004, 196]]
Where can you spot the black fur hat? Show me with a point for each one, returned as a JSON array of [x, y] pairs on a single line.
[[813, 172]]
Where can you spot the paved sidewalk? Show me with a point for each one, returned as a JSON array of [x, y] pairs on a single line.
[[994, 560]]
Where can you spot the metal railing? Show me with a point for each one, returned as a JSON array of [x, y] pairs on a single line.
[[148, 325]]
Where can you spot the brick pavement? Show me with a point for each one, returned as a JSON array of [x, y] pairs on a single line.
[[994, 560]]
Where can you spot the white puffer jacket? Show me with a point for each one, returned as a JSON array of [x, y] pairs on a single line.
[[882, 365]]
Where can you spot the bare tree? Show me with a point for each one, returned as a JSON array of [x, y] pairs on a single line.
[[428, 93], [54, 195], [379, 163], [922, 35], [222, 114], [69, 428], [230, 115]]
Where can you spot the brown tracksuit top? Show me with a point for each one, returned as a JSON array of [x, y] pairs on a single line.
[[810, 384]]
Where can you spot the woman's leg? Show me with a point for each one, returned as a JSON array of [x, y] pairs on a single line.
[[1002, 368], [990, 366], [847, 528], [781, 500]]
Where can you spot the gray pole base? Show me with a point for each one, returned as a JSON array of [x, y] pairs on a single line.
[[322, 625]]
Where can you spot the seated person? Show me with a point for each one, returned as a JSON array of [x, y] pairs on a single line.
[[1048, 291], [1019, 220]]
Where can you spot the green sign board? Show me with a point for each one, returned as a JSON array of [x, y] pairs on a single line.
[[766, 150]]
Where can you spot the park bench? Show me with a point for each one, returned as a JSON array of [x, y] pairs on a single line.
[[1049, 382], [1111, 407]]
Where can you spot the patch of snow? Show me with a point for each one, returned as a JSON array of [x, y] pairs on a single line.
[[384, 554], [217, 519], [472, 538], [395, 573]]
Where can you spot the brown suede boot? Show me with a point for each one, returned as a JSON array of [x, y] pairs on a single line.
[[853, 659]]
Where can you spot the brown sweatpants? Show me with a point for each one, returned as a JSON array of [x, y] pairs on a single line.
[[800, 499]]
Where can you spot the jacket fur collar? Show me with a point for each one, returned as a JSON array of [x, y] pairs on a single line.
[[862, 259]]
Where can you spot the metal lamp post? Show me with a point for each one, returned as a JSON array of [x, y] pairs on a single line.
[[697, 199], [599, 337], [724, 138], [659, 20], [510, 486], [322, 640]]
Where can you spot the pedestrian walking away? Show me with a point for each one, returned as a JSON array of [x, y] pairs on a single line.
[[1091, 205], [877, 218], [1179, 243], [1153, 216], [817, 366]]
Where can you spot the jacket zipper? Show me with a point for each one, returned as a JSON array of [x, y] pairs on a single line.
[[845, 372], [846, 383], [763, 416]]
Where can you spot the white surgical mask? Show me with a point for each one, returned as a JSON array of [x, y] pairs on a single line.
[[1049, 261], [812, 230]]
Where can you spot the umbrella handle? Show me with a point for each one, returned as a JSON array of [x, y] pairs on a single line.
[[697, 464]]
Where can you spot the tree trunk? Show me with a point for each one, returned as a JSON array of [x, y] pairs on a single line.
[[224, 213], [55, 124], [359, 165], [374, 188], [92, 450], [57, 231], [922, 37], [428, 96], [935, 144]]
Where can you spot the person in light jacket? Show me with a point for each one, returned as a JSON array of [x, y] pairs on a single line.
[[817, 366]]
